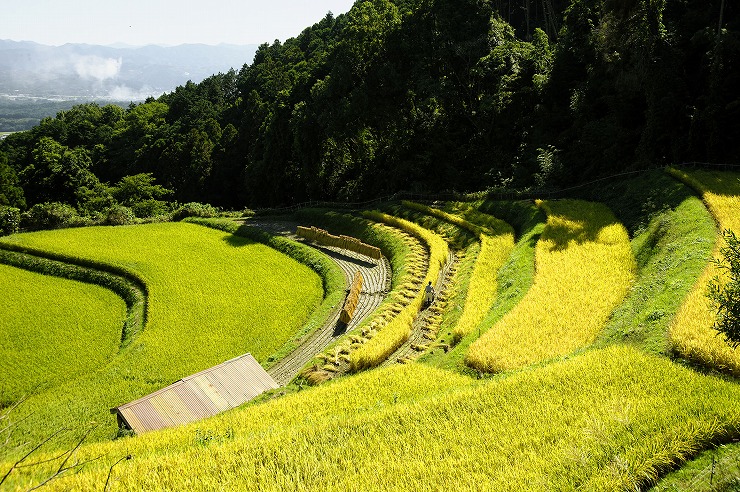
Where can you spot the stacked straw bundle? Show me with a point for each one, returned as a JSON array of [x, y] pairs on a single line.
[[353, 298], [321, 236]]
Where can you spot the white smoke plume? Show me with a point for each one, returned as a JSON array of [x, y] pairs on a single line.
[[124, 93], [96, 67]]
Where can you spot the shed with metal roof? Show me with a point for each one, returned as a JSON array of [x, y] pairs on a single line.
[[195, 397]]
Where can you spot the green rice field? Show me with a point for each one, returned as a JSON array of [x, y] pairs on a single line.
[[52, 329], [212, 296]]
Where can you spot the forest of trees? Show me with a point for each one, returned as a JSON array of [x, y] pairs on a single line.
[[417, 95]]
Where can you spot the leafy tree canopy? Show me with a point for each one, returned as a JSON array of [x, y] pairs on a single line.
[[138, 188], [420, 95], [724, 292]]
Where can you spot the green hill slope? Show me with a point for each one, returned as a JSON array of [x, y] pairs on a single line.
[[612, 413]]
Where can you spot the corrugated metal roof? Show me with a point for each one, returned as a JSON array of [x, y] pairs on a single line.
[[201, 395]]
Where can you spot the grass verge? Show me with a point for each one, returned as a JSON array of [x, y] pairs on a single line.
[[672, 238]]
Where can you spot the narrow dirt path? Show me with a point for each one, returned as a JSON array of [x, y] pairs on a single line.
[[422, 331], [376, 284]]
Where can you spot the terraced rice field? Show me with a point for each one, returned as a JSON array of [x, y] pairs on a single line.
[[609, 419], [51, 329], [212, 296], [398, 330], [497, 241], [584, 267], [576, 325], [376, 284]]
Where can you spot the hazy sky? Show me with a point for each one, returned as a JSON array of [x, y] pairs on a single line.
[[169, 22]]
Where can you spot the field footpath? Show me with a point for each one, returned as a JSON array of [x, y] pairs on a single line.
[[376, 285], [423, 330]]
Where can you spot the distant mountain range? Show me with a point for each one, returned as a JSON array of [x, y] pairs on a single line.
[[118, 73]]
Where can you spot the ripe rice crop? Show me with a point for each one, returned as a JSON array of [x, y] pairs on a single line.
[[514, 278], [451, 299], [497, 242], [212, 296], [584, 267], [52, 329], [691, 332], [397, 331], [611, 419], [457, 237]]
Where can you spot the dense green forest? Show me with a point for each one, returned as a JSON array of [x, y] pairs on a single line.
[[418, 95], [22, 114]]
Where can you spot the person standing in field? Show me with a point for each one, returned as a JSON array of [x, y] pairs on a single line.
[[428, 294]]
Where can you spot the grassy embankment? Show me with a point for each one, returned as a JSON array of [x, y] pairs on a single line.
[[212, 296], [715, 470], [673, 235]]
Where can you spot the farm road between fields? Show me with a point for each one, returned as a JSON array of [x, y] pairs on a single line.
[[424, 328], [376, 285]]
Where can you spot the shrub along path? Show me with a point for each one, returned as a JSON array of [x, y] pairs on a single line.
[[376, 284]]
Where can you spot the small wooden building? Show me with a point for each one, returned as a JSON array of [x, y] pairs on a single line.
[[195, 397]]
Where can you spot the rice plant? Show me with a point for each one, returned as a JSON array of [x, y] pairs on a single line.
[[514, 278], [584, 267], [497, 241], [397, 331], [612, 419], [406, 255], [52, 329]]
